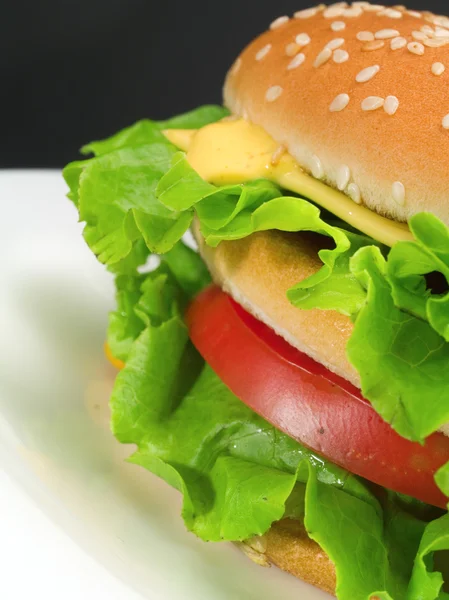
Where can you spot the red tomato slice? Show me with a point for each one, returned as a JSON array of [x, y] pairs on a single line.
[[309, 403]]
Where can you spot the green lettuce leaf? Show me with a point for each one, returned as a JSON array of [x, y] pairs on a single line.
[[116, 199], [188, 269], [238, 474], [155, 297], [400, 358], [115, 191], [136, 258], [427, 583], [124, 324], [408, 264]]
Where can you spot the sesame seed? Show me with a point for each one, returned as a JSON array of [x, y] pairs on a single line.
[[354, 11], [392, 13], [333, 11], [291, 49], [397, 43], [273, 93], [398, 192], [441, 33], [263, 52], [306, 13], [322, 57], [298, 60], [338, 26], [374, 7], [334, 44], [343, 177], [236, 66], [386, 34], [440, 20], [427, 29], [419, 36], [340, 56], [435, 43], [279, 22], [414, 13], [316, 167], [365, 36], [438, 68], [391, 105], [376, 45], [354, 193], [367, 73], [446, 122], [339, 103], [302, 39], [372, 103], [416, 48]]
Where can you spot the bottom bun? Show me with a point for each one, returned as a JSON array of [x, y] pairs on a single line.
[[258, 270], [288, 546]]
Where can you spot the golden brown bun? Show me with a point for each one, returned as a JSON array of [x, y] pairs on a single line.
[[258, 270], [410, 147], [288, 546]]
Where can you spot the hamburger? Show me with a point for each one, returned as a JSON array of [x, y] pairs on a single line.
[[288, 372]]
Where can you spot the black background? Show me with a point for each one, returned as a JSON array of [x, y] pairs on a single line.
[[76, 70]]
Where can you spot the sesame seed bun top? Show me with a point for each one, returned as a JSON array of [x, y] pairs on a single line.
[[359, 95]]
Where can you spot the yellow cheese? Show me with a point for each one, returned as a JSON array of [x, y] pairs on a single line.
[[235, 151]]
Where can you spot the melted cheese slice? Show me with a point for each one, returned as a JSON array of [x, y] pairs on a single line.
[[235, 151]]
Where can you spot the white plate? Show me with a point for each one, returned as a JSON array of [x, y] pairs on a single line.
[[54, 438]]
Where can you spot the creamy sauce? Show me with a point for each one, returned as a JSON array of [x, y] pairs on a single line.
[[235, 151]]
